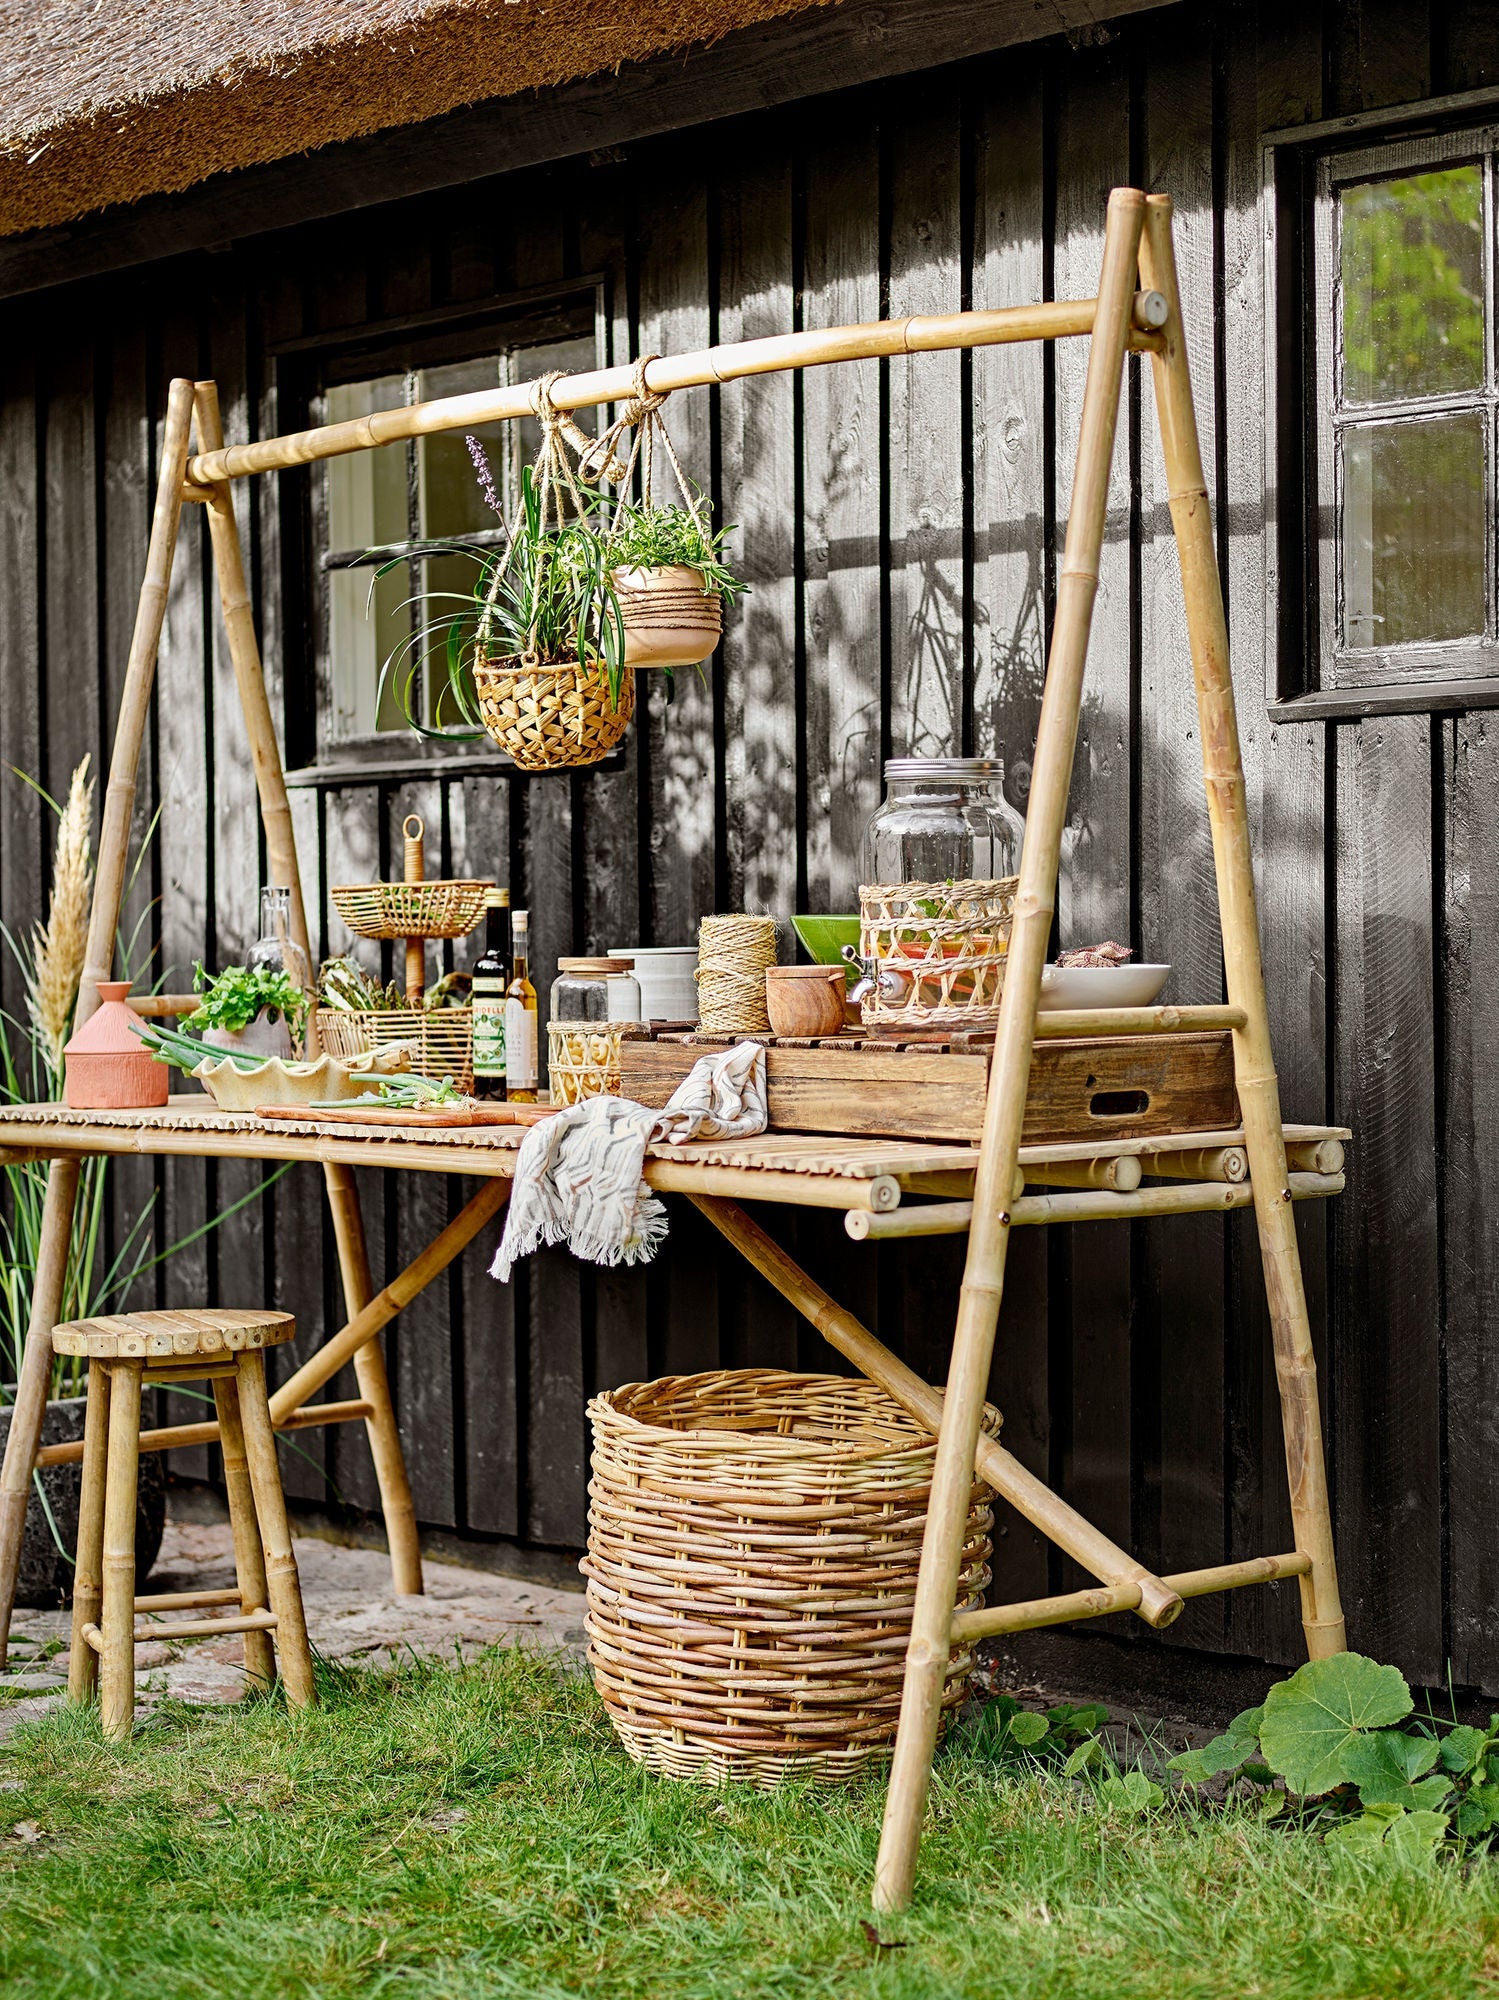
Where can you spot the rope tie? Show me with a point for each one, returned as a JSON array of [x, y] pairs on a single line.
[[733, 956]]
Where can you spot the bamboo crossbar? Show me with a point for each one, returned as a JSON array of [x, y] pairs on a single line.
[[175, 1436], [1062, 1023], [1030, 1616], [952, 1218], [191, 1628], [187, 1600], [1052, 319]]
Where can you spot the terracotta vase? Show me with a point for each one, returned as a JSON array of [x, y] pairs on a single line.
[[107, 1067], [805, 1000]]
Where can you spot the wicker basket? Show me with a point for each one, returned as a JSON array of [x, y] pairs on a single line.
[[411, 909], [550, 718], [753, 1542], [442, 1038], [940, 949], [583, 1059]]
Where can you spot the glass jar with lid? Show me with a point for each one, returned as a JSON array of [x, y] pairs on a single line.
[[581, 991], [944, 819]]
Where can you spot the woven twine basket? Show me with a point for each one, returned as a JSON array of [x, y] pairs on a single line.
[[941, 949], [583, 1061], [441, 1038], [551, 718], [753, 1542], [411, 909]]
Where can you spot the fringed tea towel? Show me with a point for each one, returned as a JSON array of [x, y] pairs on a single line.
[[578, 1175]]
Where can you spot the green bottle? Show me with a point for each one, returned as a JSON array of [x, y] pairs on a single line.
[[491, 977]]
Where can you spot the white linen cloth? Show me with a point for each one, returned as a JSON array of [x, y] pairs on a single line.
[[578, 1174]]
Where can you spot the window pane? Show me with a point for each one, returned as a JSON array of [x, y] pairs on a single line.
[[1412, 272], [451, 501], [368, 507], [1413, 531]]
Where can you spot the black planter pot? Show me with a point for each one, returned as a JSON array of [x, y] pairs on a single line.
[[46, 1577]]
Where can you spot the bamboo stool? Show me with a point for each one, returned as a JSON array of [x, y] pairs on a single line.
[[125, 1352]]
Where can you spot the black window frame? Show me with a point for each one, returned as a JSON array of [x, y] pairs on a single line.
[[1308, 677], [304, 369]]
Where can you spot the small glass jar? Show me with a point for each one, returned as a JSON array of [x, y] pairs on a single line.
[[944, 819], [580, 992], [276, 948]]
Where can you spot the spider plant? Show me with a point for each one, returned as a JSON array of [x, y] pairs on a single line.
[[544, 597]]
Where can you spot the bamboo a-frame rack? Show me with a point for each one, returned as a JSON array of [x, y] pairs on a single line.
[[1137, 309]]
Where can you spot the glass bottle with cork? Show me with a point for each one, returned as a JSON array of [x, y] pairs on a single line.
[[521, 1018], [491, 977]]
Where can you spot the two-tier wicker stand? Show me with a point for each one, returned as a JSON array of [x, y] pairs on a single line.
[[1137, 310]]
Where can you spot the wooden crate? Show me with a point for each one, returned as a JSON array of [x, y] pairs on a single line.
[[1106, 1088]]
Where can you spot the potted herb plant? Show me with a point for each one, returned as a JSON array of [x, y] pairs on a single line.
[[671, 581], [257, 1010]]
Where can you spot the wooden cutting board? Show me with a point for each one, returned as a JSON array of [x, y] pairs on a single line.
[[399, 1118]]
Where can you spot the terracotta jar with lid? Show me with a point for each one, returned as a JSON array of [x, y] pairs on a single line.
[[106, 1065]]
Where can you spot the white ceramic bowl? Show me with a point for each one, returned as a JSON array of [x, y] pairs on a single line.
[[1068, 986]]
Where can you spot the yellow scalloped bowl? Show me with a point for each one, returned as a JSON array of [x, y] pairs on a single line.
[[276, 1081]]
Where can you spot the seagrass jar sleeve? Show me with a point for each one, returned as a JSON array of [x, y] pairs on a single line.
[[753, 1544]]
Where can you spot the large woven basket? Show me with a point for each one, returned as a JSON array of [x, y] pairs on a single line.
[[411, 909], [441, 1038], [940, 949], [753, 1542], [552, 718]]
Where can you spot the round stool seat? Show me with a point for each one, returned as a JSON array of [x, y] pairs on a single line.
[[188, 1334]]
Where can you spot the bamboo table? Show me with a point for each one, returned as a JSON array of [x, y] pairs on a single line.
[[870, 1180], [978, 1191]]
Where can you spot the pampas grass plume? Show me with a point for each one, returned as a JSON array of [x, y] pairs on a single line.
[[58, 948]]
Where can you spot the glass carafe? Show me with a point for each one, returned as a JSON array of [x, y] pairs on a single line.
[[944, 819], [276, 948]]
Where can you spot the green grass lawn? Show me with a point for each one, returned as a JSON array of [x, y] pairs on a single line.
[[479, 1831]]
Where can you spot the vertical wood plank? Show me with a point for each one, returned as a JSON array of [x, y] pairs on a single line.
[[1009, 552], [925, 491], [1181, 1262], [22, 838], [1092, 149]]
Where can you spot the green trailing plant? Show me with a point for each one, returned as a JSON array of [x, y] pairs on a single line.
[[238, 995], [648, 537], [1340, 1740], [543, 598]]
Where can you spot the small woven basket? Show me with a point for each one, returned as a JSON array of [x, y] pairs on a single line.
[[583, 1059], [442, 1038], [753, 1544], [940, 950], [411, 909], [552, 718]]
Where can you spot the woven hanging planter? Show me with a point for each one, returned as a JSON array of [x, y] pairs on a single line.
[[551, 717], [753, 1544]]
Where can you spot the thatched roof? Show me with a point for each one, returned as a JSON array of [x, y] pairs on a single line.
[[104, 101]]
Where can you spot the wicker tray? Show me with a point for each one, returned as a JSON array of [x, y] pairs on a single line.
[[441, 1038], [411, 909], [753, 1542]]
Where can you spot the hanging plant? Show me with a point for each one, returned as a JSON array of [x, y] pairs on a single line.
[[534, 654], [667, 566]]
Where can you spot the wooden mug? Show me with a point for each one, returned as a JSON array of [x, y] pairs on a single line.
[[805, 1000]]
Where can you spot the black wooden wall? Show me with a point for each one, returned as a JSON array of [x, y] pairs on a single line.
[[900, 526]]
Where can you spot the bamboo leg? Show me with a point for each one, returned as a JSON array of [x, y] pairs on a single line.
[[88, 1573], [249, 1556], [30, 1406], [983, 1275], [381, 1428], [104, 918], [117, 1622], [1254, 1068], [282, 1580], [1155, 1601]]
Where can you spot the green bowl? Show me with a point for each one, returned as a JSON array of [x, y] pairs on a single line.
[[824, 937]]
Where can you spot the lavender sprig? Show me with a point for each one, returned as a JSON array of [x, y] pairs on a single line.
[[483, 473]]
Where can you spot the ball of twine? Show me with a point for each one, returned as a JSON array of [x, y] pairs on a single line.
[[733, 954]]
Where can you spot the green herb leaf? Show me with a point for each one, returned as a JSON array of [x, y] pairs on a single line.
[[1463, 1749], [1027, 1728], [1133, 1794]]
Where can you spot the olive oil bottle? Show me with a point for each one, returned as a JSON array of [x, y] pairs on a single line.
[[491, 977]]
